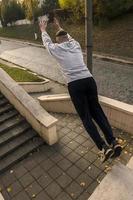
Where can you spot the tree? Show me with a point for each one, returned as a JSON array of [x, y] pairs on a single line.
[[107, 10], [103, 9], [49, 5], [11, 11], [15, 11], [32, 10], [4, 7], [77, 7]]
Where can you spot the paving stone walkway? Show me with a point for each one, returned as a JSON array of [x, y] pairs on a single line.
[[67, 170]]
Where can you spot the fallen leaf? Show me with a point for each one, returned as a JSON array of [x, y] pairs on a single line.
[[9, 189], [82, 184], [120, 141], [98, 181], [125, 152], [72, 194], [33, 195], [107, 169]]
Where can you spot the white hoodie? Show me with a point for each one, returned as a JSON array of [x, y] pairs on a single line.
[[69, 56]]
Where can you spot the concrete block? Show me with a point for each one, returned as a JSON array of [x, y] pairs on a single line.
[[32, 87], [117, 185], [119, 114], [60, 103], [130, 163], [1, 197]]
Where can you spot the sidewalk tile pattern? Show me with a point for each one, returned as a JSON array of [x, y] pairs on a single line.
[[67, 170]]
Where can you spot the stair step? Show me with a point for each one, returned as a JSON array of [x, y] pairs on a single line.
[[3, 102], [11, 123], [17, 142], [8, 115], [14, 132], [6, 108], [20, 154]]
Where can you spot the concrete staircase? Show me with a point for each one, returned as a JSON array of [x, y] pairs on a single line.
[[117, 185], [17, 137]]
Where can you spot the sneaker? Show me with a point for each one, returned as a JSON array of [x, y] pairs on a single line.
[[117, 149], [106, 153]]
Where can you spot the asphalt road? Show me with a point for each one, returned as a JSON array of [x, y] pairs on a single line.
[[113, 80]]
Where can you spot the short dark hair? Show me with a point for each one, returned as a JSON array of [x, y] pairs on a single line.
[[61, 33]]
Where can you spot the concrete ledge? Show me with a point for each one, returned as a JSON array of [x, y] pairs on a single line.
[[1, 197], [130, 163], [119, 114], [32, 87], [117, 185], [40, 120]]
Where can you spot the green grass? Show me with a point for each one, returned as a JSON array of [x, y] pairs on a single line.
[[115, 38], [24, 32], [20, 75]]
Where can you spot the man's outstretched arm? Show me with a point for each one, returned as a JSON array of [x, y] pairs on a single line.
[[47, 42]]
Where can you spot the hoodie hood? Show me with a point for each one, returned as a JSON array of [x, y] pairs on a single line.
[[70, 46]]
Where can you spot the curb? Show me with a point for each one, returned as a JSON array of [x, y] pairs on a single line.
[[113, 59]]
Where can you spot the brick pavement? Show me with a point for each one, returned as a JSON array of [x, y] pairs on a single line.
[[67, 170]]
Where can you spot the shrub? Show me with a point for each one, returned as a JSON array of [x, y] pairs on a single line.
[[32, 9], [11, 11], [76, 6], [103, 9], [111, 9], [49, 5]]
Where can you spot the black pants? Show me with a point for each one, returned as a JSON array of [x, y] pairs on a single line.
[[84, 96]]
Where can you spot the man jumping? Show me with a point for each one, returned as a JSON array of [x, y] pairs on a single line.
[[82, 88]]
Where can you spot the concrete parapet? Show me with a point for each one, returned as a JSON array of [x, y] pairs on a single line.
[[32, 87], [117, 185], [119, 114], [41, 120]]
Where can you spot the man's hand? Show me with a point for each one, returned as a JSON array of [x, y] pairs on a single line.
[[43, 25], [57, 24]]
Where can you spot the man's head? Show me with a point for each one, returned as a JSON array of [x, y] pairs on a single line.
[[61, 36]]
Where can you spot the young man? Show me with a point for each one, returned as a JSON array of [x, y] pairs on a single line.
[[82, 88]]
